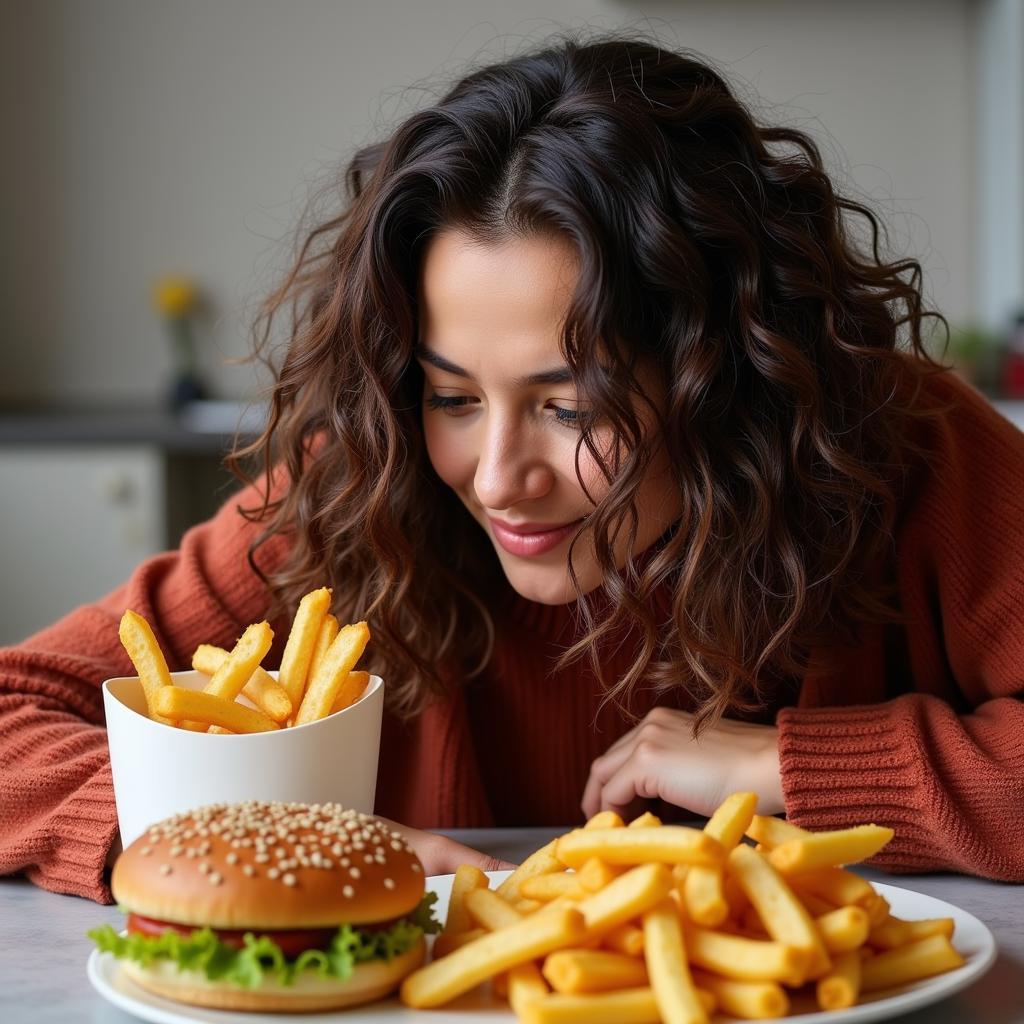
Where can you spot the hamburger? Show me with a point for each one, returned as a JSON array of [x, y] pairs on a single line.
[[270, 906]]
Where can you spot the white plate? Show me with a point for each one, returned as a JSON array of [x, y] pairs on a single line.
[[974, 941]]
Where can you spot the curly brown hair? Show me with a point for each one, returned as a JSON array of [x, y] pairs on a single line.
[[709, 243]]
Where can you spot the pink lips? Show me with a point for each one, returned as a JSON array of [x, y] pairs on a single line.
[[531, 538]]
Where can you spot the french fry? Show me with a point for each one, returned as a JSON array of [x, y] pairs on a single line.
[[605, 819], [646, 820], [150, 665], [818, 850], [298, 649], [704, 895], [540, 862], [557, 883], [894, 931], [771, 832], [464, 968], [448, 941], [625, 898], [666, 844], [840, 987], [877, 908], [234, 671], [490, 910], [752, 1000], [735, 956], [524, 985], [576, 971], [261, 688], [626, 938], [703, 887], [324, 638], [596, 874], [351, 690], [667, 966], [627, 1006], [176, 702], [467, 877], [837, 886], [322, 690], [843, 929], [527, 906], [781, 912], [921, 959]]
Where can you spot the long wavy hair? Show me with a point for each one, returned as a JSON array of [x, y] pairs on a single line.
[[710, 244]]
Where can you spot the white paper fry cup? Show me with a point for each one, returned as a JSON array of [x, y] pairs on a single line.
[[160, 770]]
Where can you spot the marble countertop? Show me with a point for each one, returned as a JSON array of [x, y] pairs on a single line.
[[44, 948]]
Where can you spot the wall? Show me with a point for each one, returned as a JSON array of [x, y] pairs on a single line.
[[153, 136]]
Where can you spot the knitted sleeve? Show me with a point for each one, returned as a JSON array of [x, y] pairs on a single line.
[[942, 762], [57, 814]]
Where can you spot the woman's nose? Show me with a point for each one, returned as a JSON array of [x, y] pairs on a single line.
[[512, 467]]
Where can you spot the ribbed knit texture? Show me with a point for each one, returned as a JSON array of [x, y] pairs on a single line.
[[919, 727]]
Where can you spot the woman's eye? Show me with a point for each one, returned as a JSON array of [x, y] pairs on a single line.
[[447, 403], [577, 419]]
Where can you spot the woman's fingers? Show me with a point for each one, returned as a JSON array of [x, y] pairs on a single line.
[[654, 731], [441, 855]]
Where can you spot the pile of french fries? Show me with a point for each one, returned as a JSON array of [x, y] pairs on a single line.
[[317, 675], [651, 923]]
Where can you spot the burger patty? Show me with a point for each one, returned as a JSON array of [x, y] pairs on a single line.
[[292, 941]]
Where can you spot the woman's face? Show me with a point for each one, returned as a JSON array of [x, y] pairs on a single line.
[[500, 410]]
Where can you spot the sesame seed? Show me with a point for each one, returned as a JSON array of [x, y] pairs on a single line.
[[368, 858], [348, 891], [215, 879], [415, 866], [145, 851], [288, 879], [389, 883], [176, 851], [262, 858], [272, 873], [248, 870], [232, 858], [165, 869], [190, 852], [354, 872], [204, 867]]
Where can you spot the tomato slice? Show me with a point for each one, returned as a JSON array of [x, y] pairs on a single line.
[[292, 941]]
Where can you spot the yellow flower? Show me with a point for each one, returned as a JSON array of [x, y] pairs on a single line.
[[174, 296]]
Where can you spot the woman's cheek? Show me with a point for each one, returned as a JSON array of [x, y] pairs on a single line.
[[449, 454]]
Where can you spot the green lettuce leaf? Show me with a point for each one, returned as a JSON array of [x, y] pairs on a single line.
[[261, 958]]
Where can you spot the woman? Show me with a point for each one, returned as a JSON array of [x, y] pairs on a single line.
[[640, 473]]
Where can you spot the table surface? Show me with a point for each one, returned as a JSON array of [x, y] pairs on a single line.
[[44, 948]]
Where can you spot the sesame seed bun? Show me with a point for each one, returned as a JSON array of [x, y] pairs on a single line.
[[269, 866], [369, 981]]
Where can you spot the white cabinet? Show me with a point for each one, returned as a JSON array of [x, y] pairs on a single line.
[[75, 520]]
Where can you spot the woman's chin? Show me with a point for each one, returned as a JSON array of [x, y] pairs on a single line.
[[552, 587]]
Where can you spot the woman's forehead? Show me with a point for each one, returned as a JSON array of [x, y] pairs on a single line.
[[476, 296]]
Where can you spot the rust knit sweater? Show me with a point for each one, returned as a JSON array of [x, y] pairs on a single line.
[[919, 727]]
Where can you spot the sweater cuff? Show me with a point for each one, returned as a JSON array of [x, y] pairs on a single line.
[[84, 828], [846, 766]]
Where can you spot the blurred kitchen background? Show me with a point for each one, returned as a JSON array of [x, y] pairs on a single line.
[[160, 152]]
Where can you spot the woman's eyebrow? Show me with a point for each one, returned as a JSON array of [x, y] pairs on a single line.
[[557, 375]]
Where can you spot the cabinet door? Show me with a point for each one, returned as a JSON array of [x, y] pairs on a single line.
[[74, 522]]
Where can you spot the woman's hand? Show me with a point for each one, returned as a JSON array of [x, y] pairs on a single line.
[[660, 759], [441, 855]]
